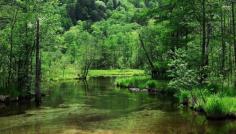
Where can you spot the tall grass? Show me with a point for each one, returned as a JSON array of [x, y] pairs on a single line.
[[220, 105], [138, 82], [215, 106]]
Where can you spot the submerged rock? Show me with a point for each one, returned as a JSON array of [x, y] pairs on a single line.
[[137, 90], [150, 90], [134, 89]]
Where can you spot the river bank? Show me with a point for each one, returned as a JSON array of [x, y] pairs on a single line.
[[214, 105]]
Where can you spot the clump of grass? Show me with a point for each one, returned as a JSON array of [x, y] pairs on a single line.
[[214, 107], [220, 107], [138, 82], [184, 97], [194, 98]]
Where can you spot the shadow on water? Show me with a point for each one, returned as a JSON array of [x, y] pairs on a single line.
[[97, 106]]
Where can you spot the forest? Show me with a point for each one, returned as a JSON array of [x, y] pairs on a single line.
[[183, 51]]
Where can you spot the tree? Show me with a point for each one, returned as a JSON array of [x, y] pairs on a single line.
[[38, 64]]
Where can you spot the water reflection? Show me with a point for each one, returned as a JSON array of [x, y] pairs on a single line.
[[97, 106]]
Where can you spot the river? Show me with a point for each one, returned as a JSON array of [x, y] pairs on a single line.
[[99, 107]]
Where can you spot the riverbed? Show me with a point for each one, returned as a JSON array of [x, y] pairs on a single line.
[[97, 106]]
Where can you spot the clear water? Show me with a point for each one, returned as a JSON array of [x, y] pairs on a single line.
[[98, 107]]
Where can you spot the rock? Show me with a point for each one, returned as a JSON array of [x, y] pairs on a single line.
[[134, 89], [137, 90], [144, 90], [4, 98], [152, 91]]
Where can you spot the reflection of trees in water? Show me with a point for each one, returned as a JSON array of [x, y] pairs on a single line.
[[198, 122], [85, 87]]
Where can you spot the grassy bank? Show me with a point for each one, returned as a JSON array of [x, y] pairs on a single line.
[[116, 72], [71, 73], [143, 82], [213, 105]]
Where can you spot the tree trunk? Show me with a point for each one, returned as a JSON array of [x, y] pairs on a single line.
[[154, 71], [204, 43], [203, 31], [222, 43], [234, 32], [234, 40], [38, 65]]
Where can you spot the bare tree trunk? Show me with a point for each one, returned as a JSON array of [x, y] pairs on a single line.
[[223, 42], [234, 40], [153, 69], [38, 65], [209, 30], [234, 32], [205, 42], [203, 31]]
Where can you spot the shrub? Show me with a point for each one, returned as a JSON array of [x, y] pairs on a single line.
[[182, 76]]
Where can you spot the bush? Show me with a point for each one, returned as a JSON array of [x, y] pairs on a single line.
[[182, 76]]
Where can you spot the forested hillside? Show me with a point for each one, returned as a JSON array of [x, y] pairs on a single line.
[[189, 43]]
